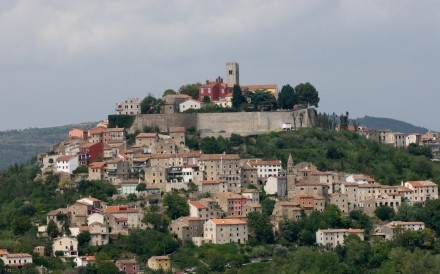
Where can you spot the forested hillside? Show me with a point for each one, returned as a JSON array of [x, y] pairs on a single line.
[[19, 146], [391, 124]]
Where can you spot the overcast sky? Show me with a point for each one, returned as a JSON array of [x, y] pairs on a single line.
[[65, 62]]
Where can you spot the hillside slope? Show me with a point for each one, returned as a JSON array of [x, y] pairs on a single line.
[[19, 146], [391, 124]]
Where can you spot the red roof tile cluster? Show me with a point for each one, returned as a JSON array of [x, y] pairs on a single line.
[[228, 221], [421, 183], [219, 157]]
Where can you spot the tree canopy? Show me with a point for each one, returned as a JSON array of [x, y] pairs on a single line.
[[151, 105], [191, 90]]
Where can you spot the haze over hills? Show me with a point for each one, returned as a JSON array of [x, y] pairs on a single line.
[[381, 123], [19, 146]]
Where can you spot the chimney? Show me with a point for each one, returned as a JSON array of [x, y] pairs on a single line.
[[207, 81]]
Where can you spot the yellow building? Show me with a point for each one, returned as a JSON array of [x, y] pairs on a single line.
[[159, 262], [271, 88]]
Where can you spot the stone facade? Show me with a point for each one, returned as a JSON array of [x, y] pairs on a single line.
[[223, 124]]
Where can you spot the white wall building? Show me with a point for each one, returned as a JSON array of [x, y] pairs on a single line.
[[67, 163], [422, 191], [128, 107], [334, 237], [189, 104]]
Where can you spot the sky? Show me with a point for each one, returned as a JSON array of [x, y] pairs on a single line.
[[64, 62]]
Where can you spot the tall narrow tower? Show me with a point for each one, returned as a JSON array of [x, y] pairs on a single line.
[[291, 177], [232, 74]]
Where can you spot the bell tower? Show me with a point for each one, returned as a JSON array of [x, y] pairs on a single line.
[[290, 177], [232, 74]]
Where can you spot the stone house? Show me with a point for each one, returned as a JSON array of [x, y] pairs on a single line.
[[159, 263], [185, 228], [128, 266], [422, 191], [341, 201], [249, 175], [232, 204], [67, 245], [222, 231], [205, 208]]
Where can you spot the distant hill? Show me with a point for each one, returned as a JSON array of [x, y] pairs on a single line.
[[391, 124], [19, 146]]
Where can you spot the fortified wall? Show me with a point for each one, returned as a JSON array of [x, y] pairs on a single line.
[[224, 124]]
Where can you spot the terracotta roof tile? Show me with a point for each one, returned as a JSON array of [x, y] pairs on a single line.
[[197, 204], [228, 221], [218, 157]]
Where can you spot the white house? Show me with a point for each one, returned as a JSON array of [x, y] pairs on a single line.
[[17, 259], [67, 245], [334, 237], [276, 185], [67, 163], [189, 104], [266, 169], [84, 260], [128, 107]]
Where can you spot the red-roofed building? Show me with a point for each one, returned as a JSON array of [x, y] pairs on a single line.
[[17, 259], [90, 152], [222, 231], [97, 171], [128, 266], [113, 134], [232, 204], [131, 213], [95, 134], [422, 191], [215, 90], [84, 260], [79, 133]]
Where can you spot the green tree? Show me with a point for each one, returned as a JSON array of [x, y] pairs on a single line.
[[430, 214], [191, 90], [83, 238], [287, 98], [384, 212], [151, 105], [20, 225], [169, 92], [176, 205], [206, 99], [307, 94], [157, 220], [52, 230], [237, 97], [268, 205], [263, 100], [260, 228], [141, 187]]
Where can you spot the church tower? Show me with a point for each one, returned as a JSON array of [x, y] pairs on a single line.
[[232, 74], [291, 176]]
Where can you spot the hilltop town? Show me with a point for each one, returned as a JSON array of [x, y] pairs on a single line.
[[202, 199]]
